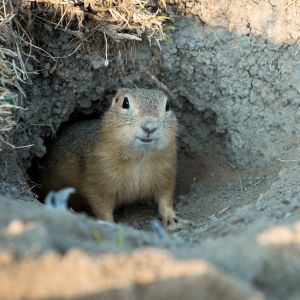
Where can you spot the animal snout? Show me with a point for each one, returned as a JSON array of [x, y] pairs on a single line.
[[149, 127]]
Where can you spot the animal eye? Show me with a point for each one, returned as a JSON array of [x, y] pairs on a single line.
[[167, 106], [125, 103]]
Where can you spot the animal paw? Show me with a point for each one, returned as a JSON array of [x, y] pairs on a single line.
[[172, 222], [178, 224]]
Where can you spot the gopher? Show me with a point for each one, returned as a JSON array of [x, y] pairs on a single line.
[[127, 155]]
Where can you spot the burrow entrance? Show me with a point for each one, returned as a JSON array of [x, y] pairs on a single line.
[[209, 171]]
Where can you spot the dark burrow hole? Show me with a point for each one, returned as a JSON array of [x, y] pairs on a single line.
[[78, 115]]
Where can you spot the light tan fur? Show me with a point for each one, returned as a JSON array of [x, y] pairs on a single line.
[[108, 163]]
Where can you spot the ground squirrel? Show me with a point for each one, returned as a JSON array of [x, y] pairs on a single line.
[[129, 154]]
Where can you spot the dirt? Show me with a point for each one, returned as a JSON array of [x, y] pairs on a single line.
[[241, 228], [145, 274], [232, 76]]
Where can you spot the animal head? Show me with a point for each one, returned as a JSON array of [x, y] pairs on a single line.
[[143, 119]]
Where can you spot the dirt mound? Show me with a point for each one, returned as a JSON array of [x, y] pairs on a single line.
[[144, 274], [254, 239]]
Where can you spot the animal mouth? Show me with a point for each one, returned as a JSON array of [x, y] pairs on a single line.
[[145, 140]]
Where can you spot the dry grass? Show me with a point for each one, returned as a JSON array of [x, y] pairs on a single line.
[[98, 22], [12, 72], [86, 20], [123, 19]]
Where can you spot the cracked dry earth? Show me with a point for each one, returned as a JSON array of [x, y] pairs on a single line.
[[241, 242]]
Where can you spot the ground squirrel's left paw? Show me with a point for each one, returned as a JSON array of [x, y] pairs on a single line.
[[178, 224], [172, 222], [169, 218]]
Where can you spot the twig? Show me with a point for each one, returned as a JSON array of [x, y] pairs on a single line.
[[237, 173], [161, 85], [106, 63], [15, 147], [288, 160], [224, 209]]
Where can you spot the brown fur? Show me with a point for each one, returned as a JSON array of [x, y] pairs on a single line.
[[108, 165]]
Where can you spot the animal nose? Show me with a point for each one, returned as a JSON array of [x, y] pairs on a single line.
[[149, 127]]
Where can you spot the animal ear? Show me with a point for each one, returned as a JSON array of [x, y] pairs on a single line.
[[115, 100], [119, 95]]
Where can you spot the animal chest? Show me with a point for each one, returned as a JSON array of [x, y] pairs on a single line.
[[138, 180]]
